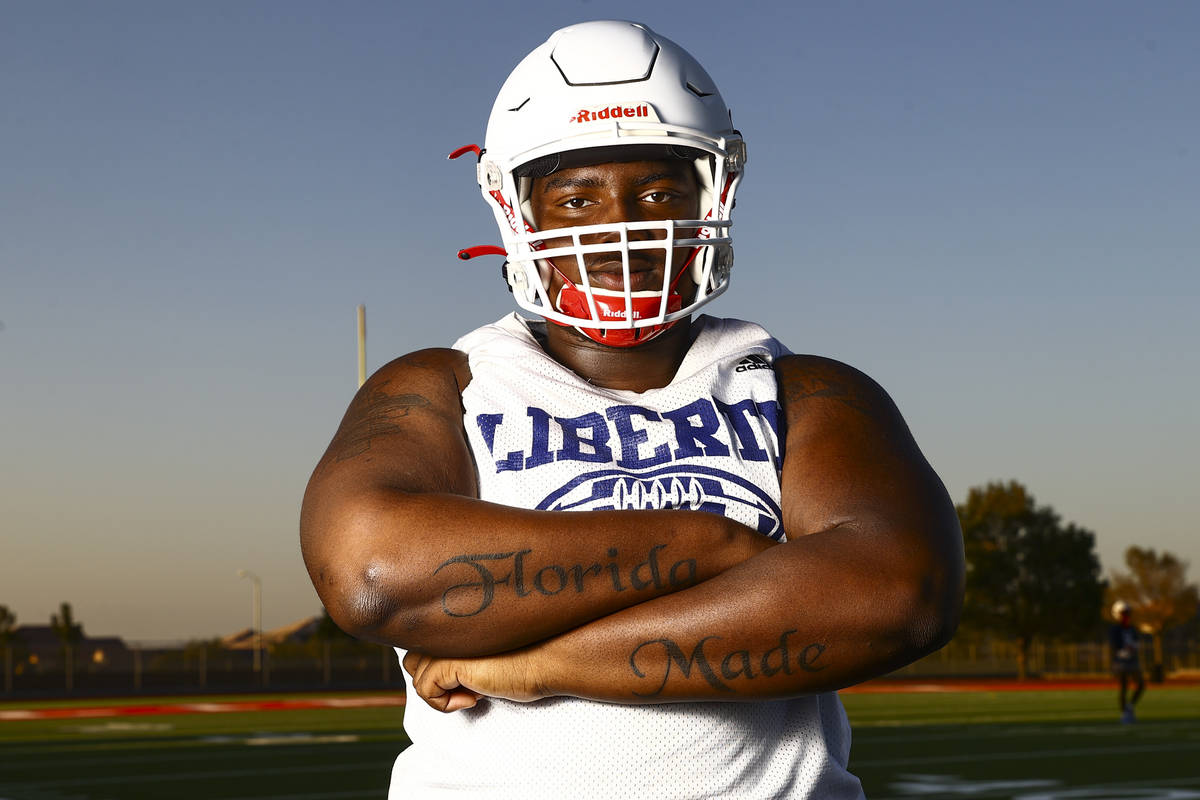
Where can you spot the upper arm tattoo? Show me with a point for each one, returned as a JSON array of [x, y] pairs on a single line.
[[833, 383], [379, 413]]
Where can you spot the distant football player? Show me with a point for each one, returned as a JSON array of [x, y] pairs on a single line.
[[1124, 642], [627, 550]]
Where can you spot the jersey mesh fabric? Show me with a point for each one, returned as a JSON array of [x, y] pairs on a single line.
[[667, 454]]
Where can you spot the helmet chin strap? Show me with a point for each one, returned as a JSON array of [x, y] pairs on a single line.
[[610, 305]]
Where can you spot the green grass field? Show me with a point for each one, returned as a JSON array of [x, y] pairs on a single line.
[[1040, 745], [1043, 745]]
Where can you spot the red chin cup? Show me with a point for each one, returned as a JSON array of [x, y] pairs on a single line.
[[573, 301]]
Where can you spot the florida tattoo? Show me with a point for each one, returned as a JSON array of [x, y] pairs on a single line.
[[484, 573]]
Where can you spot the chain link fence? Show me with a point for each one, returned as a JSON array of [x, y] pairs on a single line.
[[348, 664], [997, 658], [87, 671]]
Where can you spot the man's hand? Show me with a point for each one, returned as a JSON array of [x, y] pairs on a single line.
[[452, 684]]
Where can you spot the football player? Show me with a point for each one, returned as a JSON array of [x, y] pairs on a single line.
[[1126, 664], [625, 549]]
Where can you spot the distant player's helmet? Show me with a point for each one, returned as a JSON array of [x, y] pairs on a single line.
[[611, 84], [1118, 608]]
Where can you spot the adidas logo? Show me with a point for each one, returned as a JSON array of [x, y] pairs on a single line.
[[752, 362]]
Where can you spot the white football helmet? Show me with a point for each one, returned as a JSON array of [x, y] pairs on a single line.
[[1118, 608], [609, 84]]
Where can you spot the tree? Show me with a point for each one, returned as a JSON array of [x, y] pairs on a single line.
[[8, 632], [1028, 575], [8, 626], [1157, 590], [69, 632]]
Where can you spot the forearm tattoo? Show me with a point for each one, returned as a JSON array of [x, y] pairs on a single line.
[[378, 414], [657, 659], [485, 572]]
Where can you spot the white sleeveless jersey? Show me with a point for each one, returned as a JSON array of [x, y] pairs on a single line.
[[544, 438]]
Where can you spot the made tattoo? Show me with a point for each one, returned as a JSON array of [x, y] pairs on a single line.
[[785, 657], [488, 571]]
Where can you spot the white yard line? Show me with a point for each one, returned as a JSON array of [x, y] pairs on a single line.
[[1025, 755]]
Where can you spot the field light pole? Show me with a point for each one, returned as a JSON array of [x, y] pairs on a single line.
[[257, 615], [362, 344]]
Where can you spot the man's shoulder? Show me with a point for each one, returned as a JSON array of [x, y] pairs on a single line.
[[441, 363], [803, 376], [509, 330], [433, 364], [730, 326], [813, 368], [809, 382], [726, 335]]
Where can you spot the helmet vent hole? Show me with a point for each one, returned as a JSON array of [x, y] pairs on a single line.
[[691, 87], [521, 105]]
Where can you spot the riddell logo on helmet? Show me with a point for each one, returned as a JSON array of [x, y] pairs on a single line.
[[619, 313], [610, 112]]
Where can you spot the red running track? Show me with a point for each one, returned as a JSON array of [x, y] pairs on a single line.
[[870, 687], [86, 712]]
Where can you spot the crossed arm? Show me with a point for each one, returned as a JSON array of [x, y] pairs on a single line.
[[646, 606]]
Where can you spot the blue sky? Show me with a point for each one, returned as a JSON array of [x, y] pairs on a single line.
[[990, 208]]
